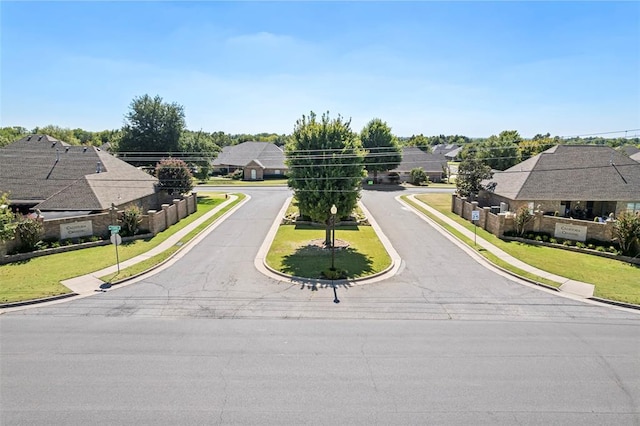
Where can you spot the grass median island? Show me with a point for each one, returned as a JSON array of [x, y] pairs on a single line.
[[41, 276], [293, 253], [613, 279]]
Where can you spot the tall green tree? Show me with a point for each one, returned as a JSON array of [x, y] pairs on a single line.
[[420, 141], [11, 134], [382, 149], [471, 173], [174, 176], [152, 130], [198, 150], [325, 160]]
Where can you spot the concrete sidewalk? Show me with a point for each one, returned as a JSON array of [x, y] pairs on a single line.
[[576, 288], [90, 283]]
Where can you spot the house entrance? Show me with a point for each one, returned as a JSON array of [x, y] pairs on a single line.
[[253, 174]]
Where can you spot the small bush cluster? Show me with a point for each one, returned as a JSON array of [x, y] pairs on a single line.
[[591, 244]]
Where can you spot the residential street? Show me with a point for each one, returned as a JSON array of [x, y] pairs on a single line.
[[210, 340]]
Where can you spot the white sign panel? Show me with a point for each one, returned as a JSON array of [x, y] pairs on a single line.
[[76, 229], [570, 232], [475, 214]]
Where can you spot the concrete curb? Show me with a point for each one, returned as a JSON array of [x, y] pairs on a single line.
[[260, 261]]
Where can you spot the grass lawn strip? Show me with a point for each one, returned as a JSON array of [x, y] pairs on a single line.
[[613, 279], [289, 252], [40, 277]]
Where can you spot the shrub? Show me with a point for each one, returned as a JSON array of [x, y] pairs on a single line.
[[553, 240], [567, 243], [131, 218], [418, 176], [237, 175], [30, 232], [523, 217], [627, 233], [538, 238], [7, 219], [94, 238], [334, 274], [545, 238], [591, 246], [601, 249], [580, 244]]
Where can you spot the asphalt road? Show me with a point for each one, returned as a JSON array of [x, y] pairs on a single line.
[[210, 340]]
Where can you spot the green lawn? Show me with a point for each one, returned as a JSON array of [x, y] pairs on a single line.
[[613, 279], [290, 254], [41, 276]]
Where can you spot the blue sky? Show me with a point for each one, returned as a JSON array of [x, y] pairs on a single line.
[[568, 68]]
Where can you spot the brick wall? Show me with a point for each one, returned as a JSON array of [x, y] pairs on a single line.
[[500, 223]]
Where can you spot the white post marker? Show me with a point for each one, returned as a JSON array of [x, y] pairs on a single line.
[[475, 217]]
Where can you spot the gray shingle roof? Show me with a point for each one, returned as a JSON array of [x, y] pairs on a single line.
[[413, 157], [571, 172], [444, 148], [267, 154], [635, 157], [57, 176]]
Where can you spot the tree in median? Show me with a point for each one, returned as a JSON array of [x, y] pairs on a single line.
[[383, 151], [152, 130], [471, 173], [325, 160], [174, 176]]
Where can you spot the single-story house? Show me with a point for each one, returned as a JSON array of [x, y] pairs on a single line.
[[56, 179], [579, 181], [434, 165], [257, 160], [450, 151]]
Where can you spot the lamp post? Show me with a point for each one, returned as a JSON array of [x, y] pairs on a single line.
[[334, 210]]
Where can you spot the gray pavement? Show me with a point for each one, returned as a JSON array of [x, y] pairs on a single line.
[[210, 339], [574, 287]]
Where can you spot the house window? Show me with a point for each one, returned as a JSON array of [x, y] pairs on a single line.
[[277, 171], [633, 207]]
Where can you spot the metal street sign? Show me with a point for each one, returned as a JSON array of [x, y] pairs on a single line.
[[114, 229], [475, 214], [116, 239]]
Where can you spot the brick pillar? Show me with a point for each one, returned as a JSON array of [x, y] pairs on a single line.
[[165, 209]]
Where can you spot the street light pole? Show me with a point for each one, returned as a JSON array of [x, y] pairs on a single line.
[[334, 210]]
